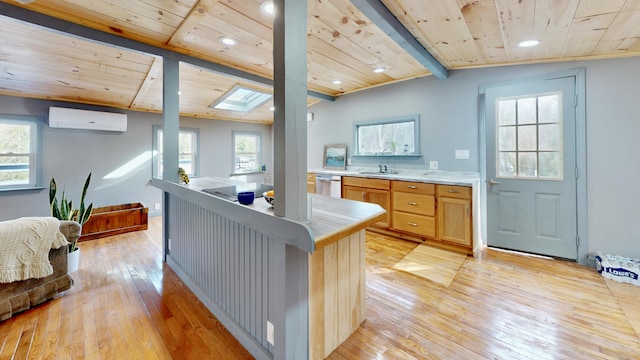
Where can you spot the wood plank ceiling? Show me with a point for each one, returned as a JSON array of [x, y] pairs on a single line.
[[343, 44]]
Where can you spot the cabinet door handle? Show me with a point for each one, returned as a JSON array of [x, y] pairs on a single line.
[[411, 223], [364, 195], [453, 191], [412, 187], [412, 203]]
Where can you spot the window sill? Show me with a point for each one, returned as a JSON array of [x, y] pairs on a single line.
[[20, 189], [247, 173], [410, 156]]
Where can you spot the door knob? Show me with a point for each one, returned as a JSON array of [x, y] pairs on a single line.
[[493, 182]]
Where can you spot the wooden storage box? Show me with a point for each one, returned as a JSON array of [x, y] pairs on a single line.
[[116, 219]]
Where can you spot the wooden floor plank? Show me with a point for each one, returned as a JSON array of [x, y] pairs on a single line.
[[127, 304]]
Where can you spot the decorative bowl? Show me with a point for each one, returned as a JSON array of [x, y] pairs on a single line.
[[268, 198], [246, 197]]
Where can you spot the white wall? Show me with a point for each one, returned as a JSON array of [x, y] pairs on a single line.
[[449, 120], [69, 155]]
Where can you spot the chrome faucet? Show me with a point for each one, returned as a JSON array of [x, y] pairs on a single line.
[[382, 169]]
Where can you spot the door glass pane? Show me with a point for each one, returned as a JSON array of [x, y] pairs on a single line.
[[527, 164], [507, 141], [527, 138], [527, 111], [549, 137], [550, 164], [548, 109], [507, 112], [507, 164], [530, 136]]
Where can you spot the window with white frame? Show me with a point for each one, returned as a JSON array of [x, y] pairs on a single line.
[[530, 137], [247, 152], [188, 158], [20, 158]]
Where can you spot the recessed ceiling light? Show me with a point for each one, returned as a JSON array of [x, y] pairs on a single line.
[[179, 93], [272, 108], [379, 70], [337, 82], [267, 7], [528, 43], [227, 41]]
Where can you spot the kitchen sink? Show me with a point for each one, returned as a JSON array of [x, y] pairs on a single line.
[[377, 173]]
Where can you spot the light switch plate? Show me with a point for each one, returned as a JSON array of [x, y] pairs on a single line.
[[433, 165], [462, 154]]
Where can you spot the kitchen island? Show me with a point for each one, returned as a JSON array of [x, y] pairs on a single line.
[[285, 289]]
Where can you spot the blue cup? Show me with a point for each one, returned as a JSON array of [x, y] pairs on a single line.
[[246, 197]]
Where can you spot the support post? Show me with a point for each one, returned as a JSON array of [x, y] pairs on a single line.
[[290, 99]]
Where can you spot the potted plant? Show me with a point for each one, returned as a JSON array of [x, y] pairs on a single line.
[[63, 210]]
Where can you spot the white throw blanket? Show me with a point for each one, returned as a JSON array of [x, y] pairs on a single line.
[[24, 247]]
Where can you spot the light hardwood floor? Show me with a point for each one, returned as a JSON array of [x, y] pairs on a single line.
[[126, 304]]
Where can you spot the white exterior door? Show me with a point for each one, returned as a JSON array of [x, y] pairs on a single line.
[[531, 167]]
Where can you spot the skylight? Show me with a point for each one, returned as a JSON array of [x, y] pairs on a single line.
[[241, 99]]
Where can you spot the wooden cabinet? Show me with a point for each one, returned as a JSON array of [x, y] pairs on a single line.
[[414, 208], [311, 183], [375, 191], [454, 215]]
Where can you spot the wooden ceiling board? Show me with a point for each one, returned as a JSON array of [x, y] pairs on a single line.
[[388, 53], [517, 25], [251, 9], [67, 68], [482, 20], [118, 21], [440, 27], [598, 7], [585, 33], [553, 19], [33, 40]]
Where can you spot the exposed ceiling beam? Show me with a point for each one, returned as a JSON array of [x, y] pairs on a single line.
[[87, 33], [390, 25]]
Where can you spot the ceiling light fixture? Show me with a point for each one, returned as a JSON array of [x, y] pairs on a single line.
[[528, 43], [267, 7], [273, 108], [25, 2], [379, 70], [337, 82], [227, 41]]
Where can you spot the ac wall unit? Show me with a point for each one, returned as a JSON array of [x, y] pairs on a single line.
[[86, 119]]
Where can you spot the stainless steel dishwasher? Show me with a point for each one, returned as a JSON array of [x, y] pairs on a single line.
[[330, 185]]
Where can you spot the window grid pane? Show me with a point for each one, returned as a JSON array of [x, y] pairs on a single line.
[[246, 152], [17, 154], [529, 141]]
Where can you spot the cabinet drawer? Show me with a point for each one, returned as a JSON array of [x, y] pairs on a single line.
[[413, 187], [414, 203], [311, 177], [365, 182], [460, 192], [416, 224]]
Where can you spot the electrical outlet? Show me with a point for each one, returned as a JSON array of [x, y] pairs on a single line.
[[270, 333], [349, 161], [156, 206], [433, 165], [462, 154]]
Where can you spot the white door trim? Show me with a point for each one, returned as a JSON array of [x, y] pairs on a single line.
[[581, 152]]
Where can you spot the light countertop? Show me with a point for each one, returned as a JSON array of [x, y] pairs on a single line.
[[430, 176], [332, 218]]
